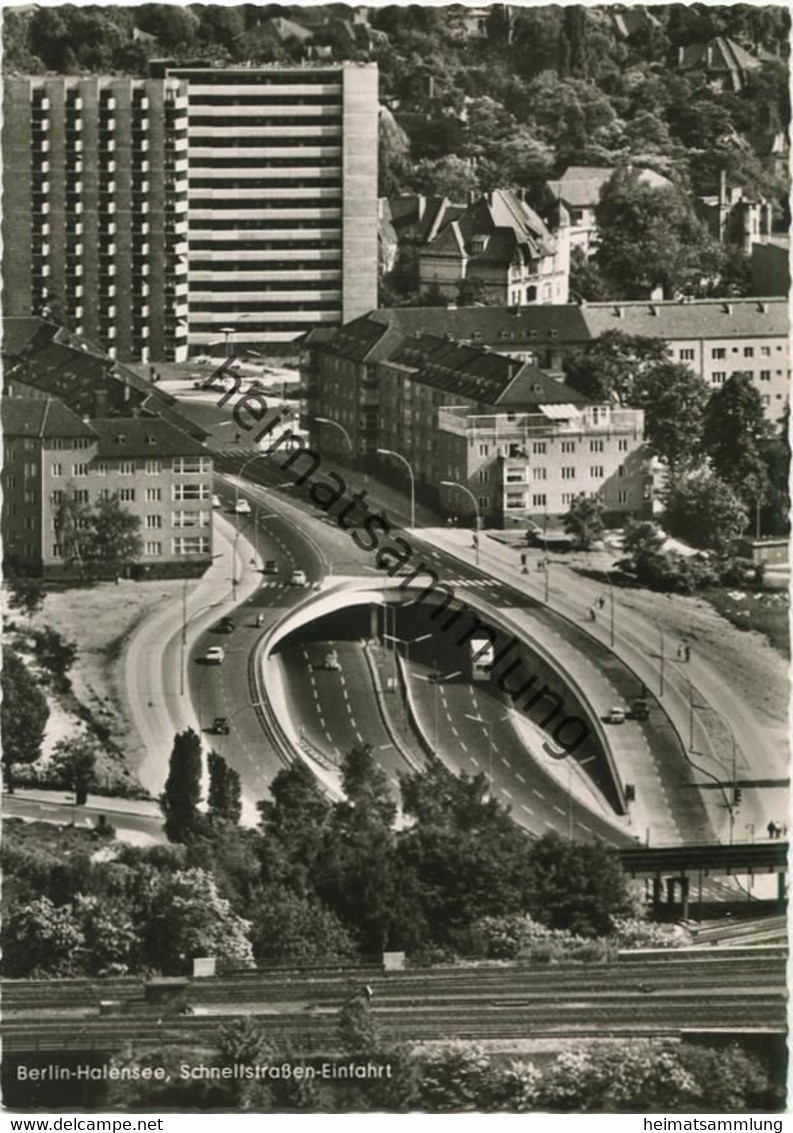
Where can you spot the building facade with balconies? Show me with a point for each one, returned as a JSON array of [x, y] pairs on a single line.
[[282, 199], [95, 209], [517, 438]]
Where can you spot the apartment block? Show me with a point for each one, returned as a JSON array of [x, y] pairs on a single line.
[[282, 199], [715, 337], [95, 209], [523, 443], [158, 472]]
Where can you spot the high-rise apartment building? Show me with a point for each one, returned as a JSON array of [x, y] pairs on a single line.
[[282, 199], [95, 209]]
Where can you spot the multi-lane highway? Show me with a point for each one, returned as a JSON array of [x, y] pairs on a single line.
[[299, 532]]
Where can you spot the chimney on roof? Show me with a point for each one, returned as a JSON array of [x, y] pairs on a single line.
[[618, 311], [727, 308], [762, 308], [653, 309], [681, 51]]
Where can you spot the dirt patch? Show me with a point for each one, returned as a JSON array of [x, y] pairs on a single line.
[[101, 619]]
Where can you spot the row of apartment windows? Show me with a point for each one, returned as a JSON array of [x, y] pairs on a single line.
[[179, 493], [718, 377], [540, 448], [721, 352], [516, 501], [180, 545], [181, 466]]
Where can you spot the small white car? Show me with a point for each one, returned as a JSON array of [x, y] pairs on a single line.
[[298, 578], [242, 507], [616, 715], [215, 655], [216, 501]]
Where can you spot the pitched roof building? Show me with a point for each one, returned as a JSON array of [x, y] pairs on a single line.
[[724, 62], [578, 191], [501, 248]]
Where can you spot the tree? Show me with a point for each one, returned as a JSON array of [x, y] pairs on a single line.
[[26, 595], [644, 1077], [294, 822], [297, 929], [358, 874], [185, 918], [462, 1077], [608, 368], [75, 762], [24, 714], [584, 520], [225, 791], [674, 401], [110, 937], [55, 653], [706, 512], [575, 886], [466, 856], [244, 1042], [182, 794], [175, 28], [642, 543], [651, 238], [40, 940], [357, 1027], [734, 432], [115, 542], [450, 176], [104, 539]]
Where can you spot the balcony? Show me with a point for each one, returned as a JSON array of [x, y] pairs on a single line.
[[106, 125], [41, 104], [74, 103], [41, 250], [107, 103]]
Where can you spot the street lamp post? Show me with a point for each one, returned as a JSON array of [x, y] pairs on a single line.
[[408, 465], [472, 497], [661, 671], [340, 427]]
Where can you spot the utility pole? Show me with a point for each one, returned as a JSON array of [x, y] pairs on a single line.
[[661, 635]]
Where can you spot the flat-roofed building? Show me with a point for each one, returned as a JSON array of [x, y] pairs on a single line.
[[95, 209], [282, 199]]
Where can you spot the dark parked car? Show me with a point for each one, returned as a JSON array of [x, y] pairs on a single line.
[[225, 625], [220, 726]]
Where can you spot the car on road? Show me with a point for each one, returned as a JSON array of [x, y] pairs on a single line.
[[298, 578], [220, 726], [215, 655], [225, 625], [270, 566], [639, 710], [216, 501], [242, 507], [616, 715], [331, 662]]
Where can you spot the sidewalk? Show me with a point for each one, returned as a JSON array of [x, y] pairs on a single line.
[[637, 763], [156, 688]]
